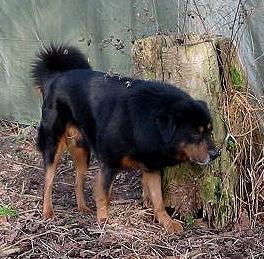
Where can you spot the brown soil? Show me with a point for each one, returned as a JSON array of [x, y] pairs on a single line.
[[130, 233]]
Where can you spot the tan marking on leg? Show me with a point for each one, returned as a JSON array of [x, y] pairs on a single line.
[[102, 198], [49, 177], [145, 191], [80, 158], [153, 183], [128, 162], [72, 135]]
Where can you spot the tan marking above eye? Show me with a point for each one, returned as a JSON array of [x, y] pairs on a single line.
[[201, 129], [182, 144], [209, 126]]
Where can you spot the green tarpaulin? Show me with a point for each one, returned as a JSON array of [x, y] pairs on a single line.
[[105, 31]]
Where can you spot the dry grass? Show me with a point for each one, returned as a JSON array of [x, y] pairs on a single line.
[[242, 114]]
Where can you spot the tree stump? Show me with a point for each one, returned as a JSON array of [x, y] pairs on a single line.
[[192, 63]]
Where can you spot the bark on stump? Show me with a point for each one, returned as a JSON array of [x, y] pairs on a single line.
[[191, 63]]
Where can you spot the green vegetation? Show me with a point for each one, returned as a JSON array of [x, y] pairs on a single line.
[[8, 211], [231, 145], [223, 208], [71, 220], [236, 78], [211, 189], [216, 195], [149, 74], [189, 221], [181, 173]]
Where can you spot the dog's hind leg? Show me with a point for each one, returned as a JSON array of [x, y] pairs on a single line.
[[50, 169], [152, 181], [81, 159], [102, 192]]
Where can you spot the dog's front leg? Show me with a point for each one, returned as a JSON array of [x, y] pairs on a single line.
[[152, 182], [102, 192]]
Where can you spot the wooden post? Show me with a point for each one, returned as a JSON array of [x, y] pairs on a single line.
[[192, 64]]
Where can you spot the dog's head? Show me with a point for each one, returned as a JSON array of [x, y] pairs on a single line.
[[186, 131]]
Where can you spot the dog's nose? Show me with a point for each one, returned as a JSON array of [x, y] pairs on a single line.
[[214, 153]]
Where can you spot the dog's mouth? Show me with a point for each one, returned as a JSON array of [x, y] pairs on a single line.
[[199, 154], [200, 162], [212, 155]]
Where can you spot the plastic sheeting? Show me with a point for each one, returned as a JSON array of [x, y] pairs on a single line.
[[105, 31]]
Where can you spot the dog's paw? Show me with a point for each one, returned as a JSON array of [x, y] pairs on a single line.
[[102, 215], [48, 213], [102, 221], [174, 227], [168, 223], [84, 209]]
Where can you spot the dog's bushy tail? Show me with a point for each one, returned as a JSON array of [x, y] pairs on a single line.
[[54, 59]]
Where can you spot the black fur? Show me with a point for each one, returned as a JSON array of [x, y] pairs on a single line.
[[117, 117], [55, 59]]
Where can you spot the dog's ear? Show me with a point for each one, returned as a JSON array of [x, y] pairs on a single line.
[[166, 126]]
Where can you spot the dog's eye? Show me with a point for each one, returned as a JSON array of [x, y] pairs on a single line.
[[210, 132], [197, 136]]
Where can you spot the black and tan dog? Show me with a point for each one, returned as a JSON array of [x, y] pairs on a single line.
[[128, 123]]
